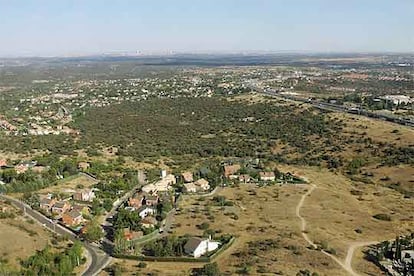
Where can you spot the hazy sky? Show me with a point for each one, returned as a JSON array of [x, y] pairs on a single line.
[[62, 27]]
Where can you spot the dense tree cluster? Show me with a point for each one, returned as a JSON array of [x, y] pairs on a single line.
[[203, 127], [166, 247], [48, 262]]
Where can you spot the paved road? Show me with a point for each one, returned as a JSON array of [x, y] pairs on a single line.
[[99, 259], [337, 108]]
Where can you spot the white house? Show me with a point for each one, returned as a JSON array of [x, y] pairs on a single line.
[[162, 185], [84, 195], [145, 211], [267, 176], [190, 188], [197, 247], [203, 184]]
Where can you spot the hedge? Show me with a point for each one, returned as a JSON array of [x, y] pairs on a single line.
[[178, 259]]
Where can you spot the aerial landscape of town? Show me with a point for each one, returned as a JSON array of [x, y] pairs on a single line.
[[199, 162]]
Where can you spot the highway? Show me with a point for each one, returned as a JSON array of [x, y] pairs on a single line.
[[99, 259], [335, 107]]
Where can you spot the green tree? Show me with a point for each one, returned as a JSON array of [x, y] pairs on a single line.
[[93, 232]]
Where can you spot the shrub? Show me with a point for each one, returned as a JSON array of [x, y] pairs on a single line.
[[204, 226]]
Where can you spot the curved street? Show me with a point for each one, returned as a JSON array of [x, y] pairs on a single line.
[[99, 259]]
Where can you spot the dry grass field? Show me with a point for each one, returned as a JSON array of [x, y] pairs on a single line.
[[400, 177], [70, 183], [20, 238], [269, 239]]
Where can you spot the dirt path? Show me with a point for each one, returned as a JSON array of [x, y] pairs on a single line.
[[347, 264], [302, 220], [351, 250]]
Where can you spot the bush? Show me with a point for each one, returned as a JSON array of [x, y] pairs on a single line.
[[203, 226], [142, 265]]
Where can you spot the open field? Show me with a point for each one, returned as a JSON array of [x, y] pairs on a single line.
[[20, 238], [334, 211], [71, 183], [262, 214], [268, 231], [399, 177]]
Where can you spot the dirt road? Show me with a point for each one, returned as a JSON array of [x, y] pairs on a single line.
[[347, 264]]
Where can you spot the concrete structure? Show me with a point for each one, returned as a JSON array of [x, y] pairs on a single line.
[[196, 247]]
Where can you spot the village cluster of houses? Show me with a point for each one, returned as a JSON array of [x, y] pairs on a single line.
[[232, 172], [145, 201], [191, 186], [71, 211], [22, 167]]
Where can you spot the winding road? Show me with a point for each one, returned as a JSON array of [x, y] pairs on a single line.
[[98, 258], [347, 264]]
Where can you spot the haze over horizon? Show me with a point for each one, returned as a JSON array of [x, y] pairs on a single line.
[[70, 28]]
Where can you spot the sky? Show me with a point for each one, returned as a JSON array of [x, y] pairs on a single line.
[[83, 27]]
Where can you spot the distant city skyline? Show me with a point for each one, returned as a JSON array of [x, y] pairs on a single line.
[[75, 28]]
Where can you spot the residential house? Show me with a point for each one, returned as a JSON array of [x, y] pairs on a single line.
[[202, 184], [61, 207], [190, 188], [83, 209], [131, 235], [267, 176], [148, 222], [136, 201], [145, 211], [150, 200], [21, 168], [162, 185], [24, 166], [196, 247], [187, 177], [244, 178], [84, 195], [231, 170], [72, 218], [47, 203]]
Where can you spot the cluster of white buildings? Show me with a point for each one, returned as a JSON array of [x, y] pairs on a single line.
[[398, 99], [162, 185]]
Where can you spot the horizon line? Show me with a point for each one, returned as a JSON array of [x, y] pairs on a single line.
[[161, 53]]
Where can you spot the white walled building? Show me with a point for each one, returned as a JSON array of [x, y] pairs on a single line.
[[196, 247]]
